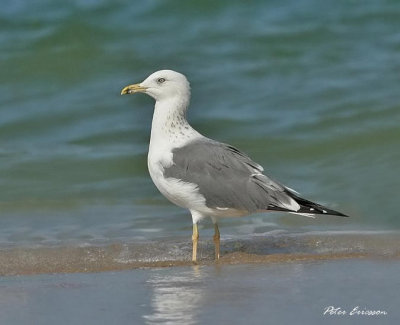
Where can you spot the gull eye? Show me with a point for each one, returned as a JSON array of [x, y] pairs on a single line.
[[160, 80]]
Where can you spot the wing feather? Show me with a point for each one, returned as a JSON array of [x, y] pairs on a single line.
[[228, 178]]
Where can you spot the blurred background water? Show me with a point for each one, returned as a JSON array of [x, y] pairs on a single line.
[[308, 89]]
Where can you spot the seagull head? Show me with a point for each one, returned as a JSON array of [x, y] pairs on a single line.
[[161, 85]]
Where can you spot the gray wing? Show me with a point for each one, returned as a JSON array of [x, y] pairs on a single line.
[[227, 178]]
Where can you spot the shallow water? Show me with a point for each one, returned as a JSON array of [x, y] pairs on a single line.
[[308, 89], [267, 248], [232, 294]]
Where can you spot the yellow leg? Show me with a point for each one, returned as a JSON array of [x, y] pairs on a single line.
[[195, 239], [216, 241]]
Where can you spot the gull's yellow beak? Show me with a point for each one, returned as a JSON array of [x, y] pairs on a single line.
[[132, 89]]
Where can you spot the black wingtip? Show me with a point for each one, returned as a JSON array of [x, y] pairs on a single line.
[[310, 207], [314, 208], [336, 213]]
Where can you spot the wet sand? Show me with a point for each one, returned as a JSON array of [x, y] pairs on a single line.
[[274, 293], [282, 248], [282, 278], [78, 260]]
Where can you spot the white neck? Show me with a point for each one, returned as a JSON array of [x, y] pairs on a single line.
[[169, 128]]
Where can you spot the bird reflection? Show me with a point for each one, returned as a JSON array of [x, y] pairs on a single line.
[[176, 297]]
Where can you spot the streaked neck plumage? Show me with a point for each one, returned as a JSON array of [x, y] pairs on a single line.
[[169, 128]]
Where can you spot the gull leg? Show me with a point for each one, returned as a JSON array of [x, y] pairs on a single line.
[[195, 239], [216, 240]]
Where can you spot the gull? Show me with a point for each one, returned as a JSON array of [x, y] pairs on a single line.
[[207, 177]]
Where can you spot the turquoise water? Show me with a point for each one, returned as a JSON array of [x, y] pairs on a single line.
[[309, 89]]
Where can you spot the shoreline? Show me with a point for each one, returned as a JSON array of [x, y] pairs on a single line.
[[286, 248], [79, 261]]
